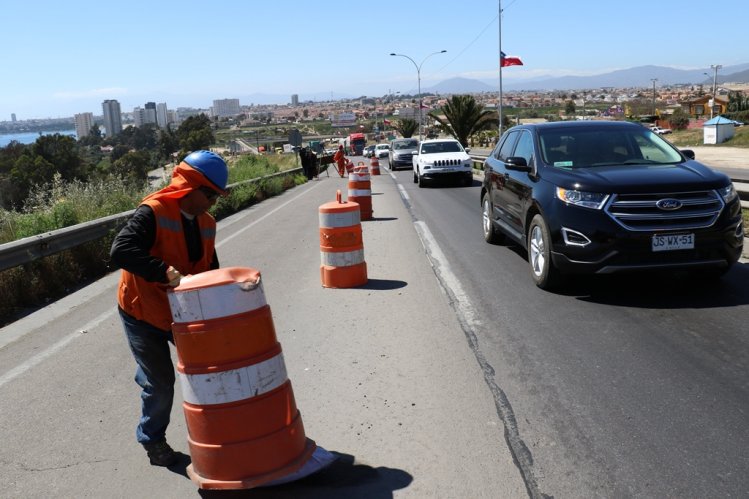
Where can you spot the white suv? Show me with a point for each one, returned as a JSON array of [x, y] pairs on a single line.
[[442, 159]]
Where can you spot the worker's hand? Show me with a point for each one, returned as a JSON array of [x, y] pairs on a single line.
[[173, 276]]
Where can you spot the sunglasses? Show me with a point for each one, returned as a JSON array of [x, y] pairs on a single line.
[[209, 193]]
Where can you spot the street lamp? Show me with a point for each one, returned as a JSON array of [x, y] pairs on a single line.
[[715, 68], [418, 77], [653, 80]]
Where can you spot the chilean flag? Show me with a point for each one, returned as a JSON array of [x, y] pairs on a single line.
[[509, 60], [385, 122]]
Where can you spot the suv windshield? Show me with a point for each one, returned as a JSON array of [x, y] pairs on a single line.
[[405, 144], [585, 148], [440, 147]]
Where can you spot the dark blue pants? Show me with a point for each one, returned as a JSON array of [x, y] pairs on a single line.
[[155, 375]]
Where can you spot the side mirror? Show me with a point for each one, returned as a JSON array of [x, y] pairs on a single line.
[[468, 149], [414, 153], [688, 153], [517, 163]]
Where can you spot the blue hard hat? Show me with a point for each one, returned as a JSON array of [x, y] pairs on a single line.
[[211, 165]]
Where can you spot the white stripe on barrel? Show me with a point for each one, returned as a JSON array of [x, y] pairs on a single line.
[[359, 193], [202, 304], [342, 258], [340, 219], [235, 384]]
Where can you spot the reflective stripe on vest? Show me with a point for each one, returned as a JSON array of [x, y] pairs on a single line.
[[235, 384]]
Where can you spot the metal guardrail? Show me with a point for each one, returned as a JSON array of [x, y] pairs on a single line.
[[31, 248]]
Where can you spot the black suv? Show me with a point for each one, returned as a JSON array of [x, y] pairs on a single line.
[[604, 197]]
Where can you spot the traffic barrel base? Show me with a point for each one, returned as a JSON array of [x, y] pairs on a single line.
[[342, 262], [244, 428]]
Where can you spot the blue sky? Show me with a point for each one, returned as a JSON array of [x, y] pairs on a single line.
[[62, 58]]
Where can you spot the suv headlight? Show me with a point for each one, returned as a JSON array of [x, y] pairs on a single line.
[[728, 193], [592, 200]]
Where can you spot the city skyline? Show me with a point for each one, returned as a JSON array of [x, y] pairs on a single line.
[[68, 58]]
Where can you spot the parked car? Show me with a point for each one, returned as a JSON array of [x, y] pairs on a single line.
[[660, 131], [606, 197], [442, 159], [401, 153], [369, 151], [381, 150]]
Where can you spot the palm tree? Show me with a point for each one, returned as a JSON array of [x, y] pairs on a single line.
[[463, 117], [406, 127]]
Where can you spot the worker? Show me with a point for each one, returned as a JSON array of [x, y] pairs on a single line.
[[170, 235], [340, 158]]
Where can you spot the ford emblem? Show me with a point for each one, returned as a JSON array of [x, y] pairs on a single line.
[[668, 204]]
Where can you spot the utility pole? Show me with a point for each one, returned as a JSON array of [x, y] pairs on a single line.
[[653, 80], [715, 68]]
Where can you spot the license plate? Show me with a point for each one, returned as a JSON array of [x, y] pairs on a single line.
[[670, 242]]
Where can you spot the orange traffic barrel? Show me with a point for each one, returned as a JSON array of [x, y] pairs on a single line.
[[342, 262], [349, 166], [360, 191], [244, 428], [374, 165]]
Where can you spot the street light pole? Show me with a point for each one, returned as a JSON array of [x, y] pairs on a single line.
[[715, 68], [418, 77], [653, 80]]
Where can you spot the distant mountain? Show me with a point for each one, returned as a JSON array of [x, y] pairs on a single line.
[[640, 76]]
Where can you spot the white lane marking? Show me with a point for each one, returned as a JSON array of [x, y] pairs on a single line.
[[41, 356], [442, 267], [256, 221], [403, 192]]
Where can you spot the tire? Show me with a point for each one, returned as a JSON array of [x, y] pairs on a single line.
[[543, 272], [422, 181], [468, 180], [416, 177], [491, 234]]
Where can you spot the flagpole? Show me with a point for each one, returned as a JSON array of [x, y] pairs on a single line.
[[499, 21]]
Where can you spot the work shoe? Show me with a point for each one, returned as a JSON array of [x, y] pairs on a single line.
[[161, 454]]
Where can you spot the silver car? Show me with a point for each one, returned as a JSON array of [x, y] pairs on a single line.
[[401, 153]]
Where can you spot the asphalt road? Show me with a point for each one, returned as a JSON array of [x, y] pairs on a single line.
[[631, 386], [448, 375], [383, 374]]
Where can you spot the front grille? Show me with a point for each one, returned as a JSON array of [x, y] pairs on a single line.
[[448, 162], [640, 212]]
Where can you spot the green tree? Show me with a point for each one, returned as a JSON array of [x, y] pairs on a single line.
[[679, 120], [463, 117], [133, 165], [406, 127], [62, 152], [569, 108], [168, 143], [195, 133]]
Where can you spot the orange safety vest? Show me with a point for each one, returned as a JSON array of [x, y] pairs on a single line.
[[147, 301], [340, 158]]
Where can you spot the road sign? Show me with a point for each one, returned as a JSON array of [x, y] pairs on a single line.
[[295, 137]]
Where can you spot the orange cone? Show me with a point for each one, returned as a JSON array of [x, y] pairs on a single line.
[[341, 245], [244, 428], [360, 191], [374, 165]]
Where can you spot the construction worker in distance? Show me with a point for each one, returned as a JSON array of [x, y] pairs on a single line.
[[340, 158], [170, 235]]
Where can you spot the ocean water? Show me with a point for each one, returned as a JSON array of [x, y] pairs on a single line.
[[30, 137]]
